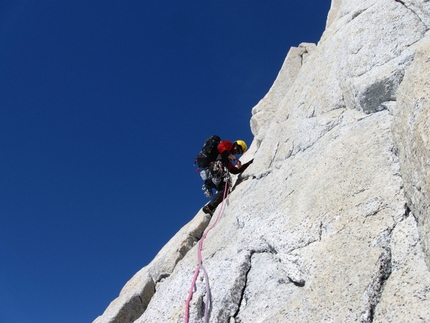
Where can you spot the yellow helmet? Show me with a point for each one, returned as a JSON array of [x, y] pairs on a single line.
[[242, 145]]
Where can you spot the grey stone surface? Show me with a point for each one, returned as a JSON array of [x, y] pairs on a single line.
[[319, 228], [411, 128]]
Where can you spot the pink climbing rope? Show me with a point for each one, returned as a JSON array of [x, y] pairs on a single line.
[[200, 267]]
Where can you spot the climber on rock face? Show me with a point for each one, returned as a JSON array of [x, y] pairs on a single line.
[[220, 170], [228, 151]]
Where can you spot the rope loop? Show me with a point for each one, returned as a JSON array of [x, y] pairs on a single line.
[[200, 267]]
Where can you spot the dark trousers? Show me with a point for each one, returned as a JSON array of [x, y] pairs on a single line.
[[218, 197]]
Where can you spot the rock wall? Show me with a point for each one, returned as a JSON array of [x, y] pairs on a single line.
[[411, 128], [330, 223]]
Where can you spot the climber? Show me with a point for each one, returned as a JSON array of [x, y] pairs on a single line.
[[220, 171], [228, 150]]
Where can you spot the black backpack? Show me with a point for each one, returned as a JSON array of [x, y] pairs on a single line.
[[209, 152]]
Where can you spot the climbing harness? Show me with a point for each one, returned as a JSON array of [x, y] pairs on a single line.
[[200, 267]]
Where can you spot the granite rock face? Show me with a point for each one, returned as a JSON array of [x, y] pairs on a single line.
[[331, 222], [412, 132]]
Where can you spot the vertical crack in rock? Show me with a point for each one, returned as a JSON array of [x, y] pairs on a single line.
[[145, 297], [200, 305], [275, 151], [238, 291], [382, 272]]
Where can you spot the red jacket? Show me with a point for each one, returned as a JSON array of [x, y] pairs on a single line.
[[224, 148]]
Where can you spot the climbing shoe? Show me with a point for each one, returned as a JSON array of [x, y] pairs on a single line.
[[208, 210]]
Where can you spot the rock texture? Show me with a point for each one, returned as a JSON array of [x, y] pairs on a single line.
[[412, 132], [331, 222]]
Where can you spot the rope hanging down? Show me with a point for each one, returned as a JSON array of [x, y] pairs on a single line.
[[200, 267]]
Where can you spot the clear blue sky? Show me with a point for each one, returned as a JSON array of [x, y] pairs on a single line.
[[103, 107]]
